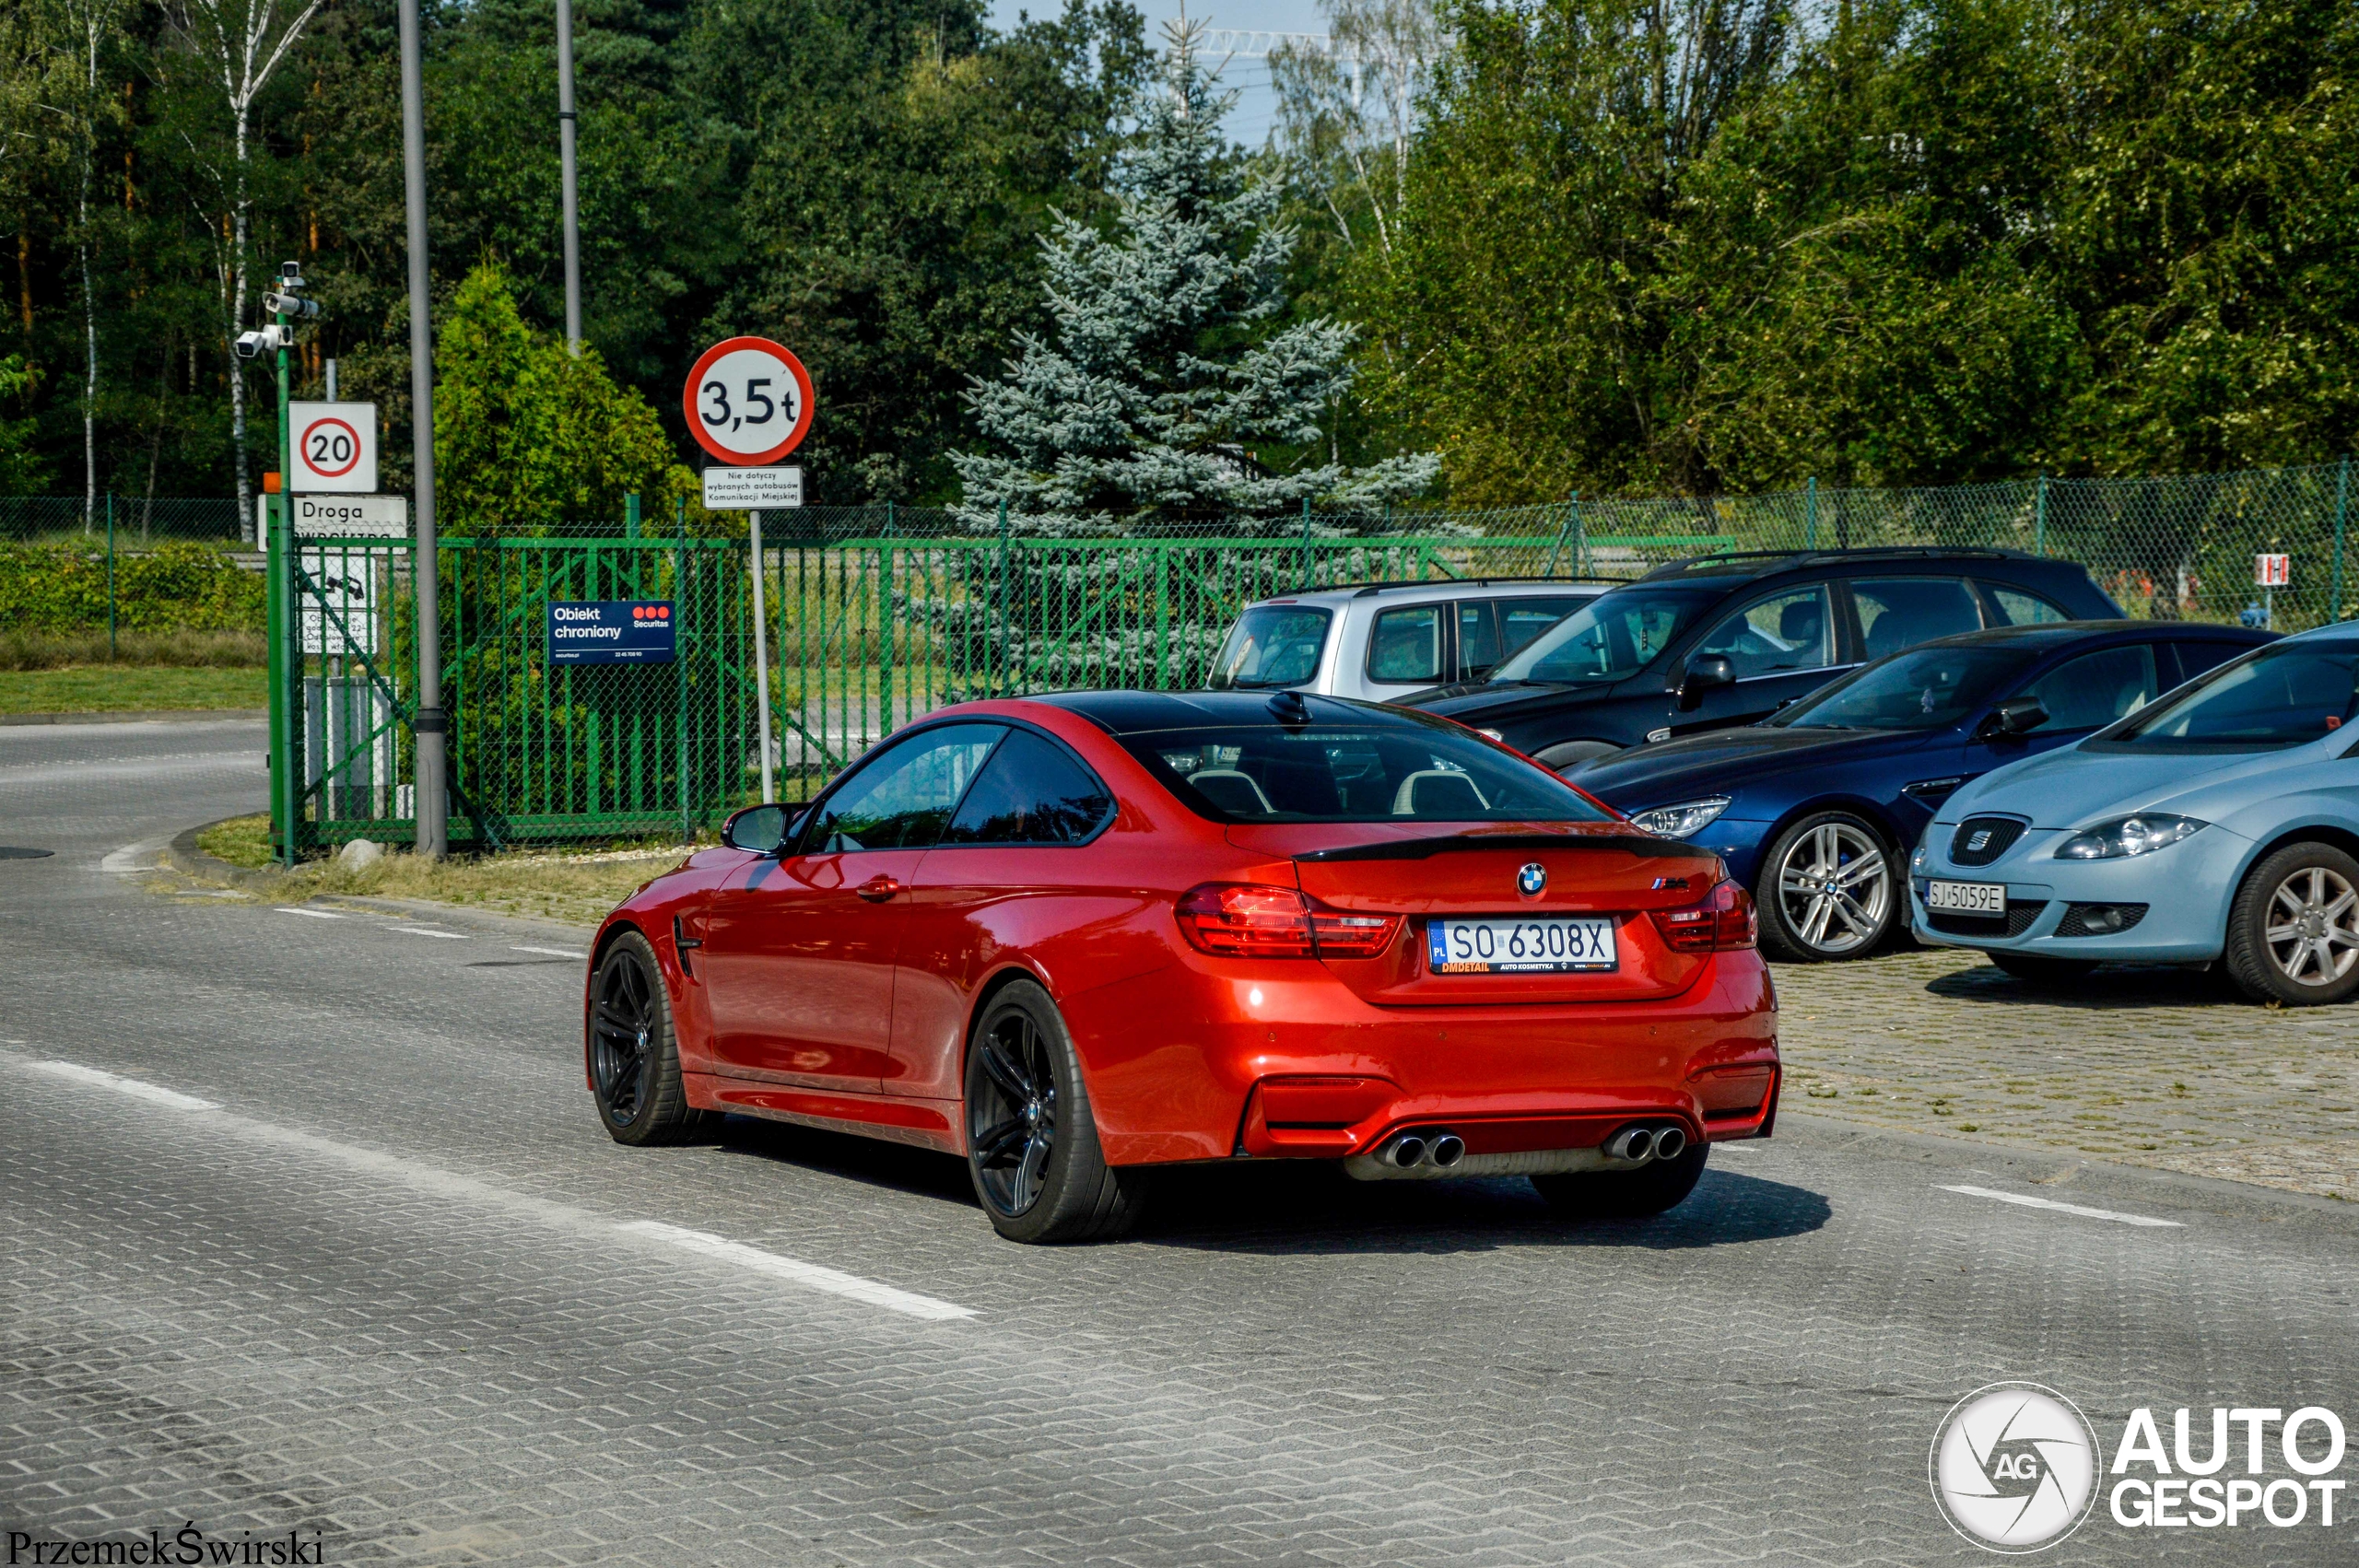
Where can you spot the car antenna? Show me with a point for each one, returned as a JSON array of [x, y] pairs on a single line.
[[1290, 708]]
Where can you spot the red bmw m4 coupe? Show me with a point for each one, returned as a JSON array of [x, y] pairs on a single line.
[[1074, 938]]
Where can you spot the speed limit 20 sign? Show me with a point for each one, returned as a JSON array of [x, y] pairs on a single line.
[[748, 401], [335, 448]]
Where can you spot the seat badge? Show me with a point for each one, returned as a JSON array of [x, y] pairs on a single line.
[[1531, 879]]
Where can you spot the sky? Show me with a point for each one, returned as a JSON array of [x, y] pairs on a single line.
[[1248, 122]]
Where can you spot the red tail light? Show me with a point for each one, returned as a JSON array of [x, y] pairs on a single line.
[[1237, 920], [1724, 919]]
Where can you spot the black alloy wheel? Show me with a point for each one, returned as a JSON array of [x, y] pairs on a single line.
[[634, 1061], [1031, 1142]]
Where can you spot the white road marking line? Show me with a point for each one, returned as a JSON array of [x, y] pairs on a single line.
[[421, 931], [563, 1217], [550, 952], [2030, 1203], [777, 1266], [315, 914], [130, 1087]]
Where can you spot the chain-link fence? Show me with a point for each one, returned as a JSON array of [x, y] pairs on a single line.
[[879, 614], [136, 521]]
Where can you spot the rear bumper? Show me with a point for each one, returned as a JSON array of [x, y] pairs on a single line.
[[1213, 1060]]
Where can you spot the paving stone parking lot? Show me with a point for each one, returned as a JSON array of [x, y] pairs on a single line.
[[311, 1229], [2145, 1066]]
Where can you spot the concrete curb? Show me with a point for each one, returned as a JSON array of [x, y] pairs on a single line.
[[182, 855], [144, 716]]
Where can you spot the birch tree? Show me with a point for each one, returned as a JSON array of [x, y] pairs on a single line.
[[1346, 111], [239, 46]]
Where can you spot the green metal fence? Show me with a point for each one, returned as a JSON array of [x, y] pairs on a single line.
[[138, 520], [881, 614]]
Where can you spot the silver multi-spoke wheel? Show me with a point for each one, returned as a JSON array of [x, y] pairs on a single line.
[[2313, 932], [1834, 888]]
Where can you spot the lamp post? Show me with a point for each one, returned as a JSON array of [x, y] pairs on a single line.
[[427, 724]]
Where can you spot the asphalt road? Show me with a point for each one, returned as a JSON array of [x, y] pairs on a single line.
[[309, 1227]]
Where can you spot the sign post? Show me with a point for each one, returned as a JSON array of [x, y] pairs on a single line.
[[2271, 573], [748, 404]]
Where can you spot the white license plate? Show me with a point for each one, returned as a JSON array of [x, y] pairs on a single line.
[[1968, 897], [1518, 947]]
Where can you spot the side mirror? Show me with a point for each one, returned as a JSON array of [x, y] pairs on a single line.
[[2015, 716], [761, 829], [1706, 671]]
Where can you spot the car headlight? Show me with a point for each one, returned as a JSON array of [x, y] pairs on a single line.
[[1681, 820], [2128, 836]]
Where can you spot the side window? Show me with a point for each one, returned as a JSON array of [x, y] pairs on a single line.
[[1030, 792], [1789, 631], [902, 798], [1521, 620], [2017, 608], [1900, 613], [2195, 658], [2096, 688], [1478, 640], [1407, 645]]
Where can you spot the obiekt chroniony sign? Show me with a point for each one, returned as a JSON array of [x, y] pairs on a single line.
[[612, 631]]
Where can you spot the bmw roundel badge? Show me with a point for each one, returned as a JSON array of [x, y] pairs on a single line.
[[1531, 879]]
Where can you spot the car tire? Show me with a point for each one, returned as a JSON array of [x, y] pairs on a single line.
[[1653, 1189], [1802, 922], [2294, 929], [1032, 1148], [2036, 970], [631, 1052], [1567, 755]]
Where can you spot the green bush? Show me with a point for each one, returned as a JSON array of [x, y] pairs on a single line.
[[176, 586]]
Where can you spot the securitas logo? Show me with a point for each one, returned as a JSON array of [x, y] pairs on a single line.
[[2016, 1468]]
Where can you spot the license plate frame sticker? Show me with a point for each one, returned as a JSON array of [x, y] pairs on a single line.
[[1987, 899], [1551, 944]]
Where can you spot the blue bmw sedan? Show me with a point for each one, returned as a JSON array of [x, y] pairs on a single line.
[[1816, 807]]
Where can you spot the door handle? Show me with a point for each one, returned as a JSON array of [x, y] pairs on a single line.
[[877, 889]]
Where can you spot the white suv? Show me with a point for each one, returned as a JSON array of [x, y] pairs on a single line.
[[1386, 640]]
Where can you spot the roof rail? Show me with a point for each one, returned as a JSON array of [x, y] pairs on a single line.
[[1374, 588], [1823, 557]]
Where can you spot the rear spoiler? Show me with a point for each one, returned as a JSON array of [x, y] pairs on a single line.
[[1645, 845]]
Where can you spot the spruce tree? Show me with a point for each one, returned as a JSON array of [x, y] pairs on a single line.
[[1174, 390]]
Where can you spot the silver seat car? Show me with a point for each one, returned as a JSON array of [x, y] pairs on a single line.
[[1387, 640]]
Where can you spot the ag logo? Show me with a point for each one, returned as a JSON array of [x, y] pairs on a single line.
[[2014, 1467], [1531, 879]]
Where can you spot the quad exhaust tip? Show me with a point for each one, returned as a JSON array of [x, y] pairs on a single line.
[[1638, 1145], [1409, 1149]]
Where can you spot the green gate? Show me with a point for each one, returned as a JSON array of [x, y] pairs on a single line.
[[537, 751]]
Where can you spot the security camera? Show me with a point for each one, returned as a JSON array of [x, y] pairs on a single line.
[[262, 340], [290, 275], [288, 305]]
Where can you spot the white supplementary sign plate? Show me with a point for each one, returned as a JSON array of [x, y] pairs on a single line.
[[351, 517], [341, 617], [743, 490], [1968, 897], [336, 447], [1552, 946]]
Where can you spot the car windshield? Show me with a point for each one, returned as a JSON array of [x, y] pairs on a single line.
[[2284, 694], [1614, 635], [1352, 773], [1925, 688], [1271, 644]]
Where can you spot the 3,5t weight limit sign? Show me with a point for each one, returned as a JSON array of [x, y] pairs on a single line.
[[748, 401]]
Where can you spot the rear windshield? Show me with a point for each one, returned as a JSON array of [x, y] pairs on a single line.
[[1271, 644], [1926, 688], [1354, 773], [1614, 635], [2284, 694]]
